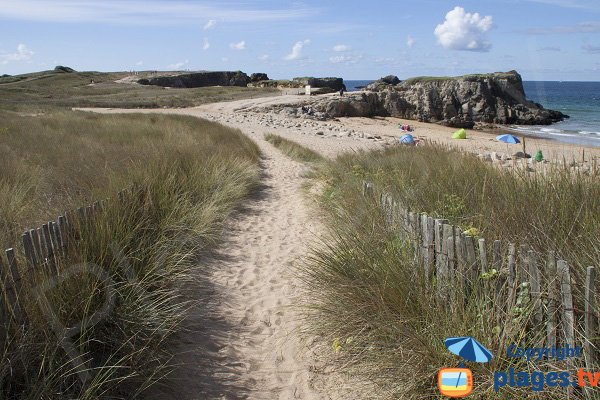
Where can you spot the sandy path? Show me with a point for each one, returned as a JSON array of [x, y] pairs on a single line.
[[242, 341]]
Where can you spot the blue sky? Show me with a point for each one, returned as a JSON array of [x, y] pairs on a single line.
[[542, 39]]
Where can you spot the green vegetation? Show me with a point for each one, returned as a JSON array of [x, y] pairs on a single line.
[[382, 320], [293, 149], [187, 175], [472, 77], [50, 89]]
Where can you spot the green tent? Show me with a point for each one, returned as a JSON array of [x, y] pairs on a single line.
[[460, 134]]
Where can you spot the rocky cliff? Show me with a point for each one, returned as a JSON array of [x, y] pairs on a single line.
[[328, 85], [199, 79], [496, 98]]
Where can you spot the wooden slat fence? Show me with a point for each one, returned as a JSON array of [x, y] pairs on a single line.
[[453, 263], [42, 249]]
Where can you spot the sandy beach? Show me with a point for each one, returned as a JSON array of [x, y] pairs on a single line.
[[261, 115]]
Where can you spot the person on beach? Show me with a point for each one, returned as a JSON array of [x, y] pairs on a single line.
[[342, 92]]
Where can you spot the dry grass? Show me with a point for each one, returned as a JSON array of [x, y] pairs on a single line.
[[187, 176], [381, 318]]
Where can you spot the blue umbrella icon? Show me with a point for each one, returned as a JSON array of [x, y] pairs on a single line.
[[469, 349], [508, 138]]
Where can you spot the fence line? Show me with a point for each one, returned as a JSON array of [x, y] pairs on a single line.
[[42, 248], [452, 261]]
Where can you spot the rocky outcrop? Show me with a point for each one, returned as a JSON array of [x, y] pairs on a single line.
[[335, 84], [462, 102], [61, 68], [259, 76], [323, 85], [351, 105], [199, 79], [383, 83]]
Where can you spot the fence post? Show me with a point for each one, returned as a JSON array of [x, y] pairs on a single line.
[[567, 302], [483, 256], [12, 285], [512, 278], [425, 246], [37, 245], [536, 287], [471, 261], [553, 294], [522, 273], [62, 229], [29, 250], [590, 317], [497, 263]]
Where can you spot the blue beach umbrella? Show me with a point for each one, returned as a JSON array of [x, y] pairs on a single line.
[[468, 348], [407, 139], [508, 138]]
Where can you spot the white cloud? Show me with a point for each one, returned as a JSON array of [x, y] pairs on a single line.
[[205, 44], [346, 59], [139, 63], [225, 59], [141, 12], [410, 41], [210, 24], [178, 65], [23, 53], [341, 47], [264, 57], [297, 50], [238, 46], [464, 31]]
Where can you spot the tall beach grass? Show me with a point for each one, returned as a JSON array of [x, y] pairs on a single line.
[[380, 319], [128, 264]]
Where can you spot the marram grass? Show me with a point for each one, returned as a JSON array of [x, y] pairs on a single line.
[[187, 175], [378, 318]]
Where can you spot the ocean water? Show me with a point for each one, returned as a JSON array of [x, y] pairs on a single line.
[[579, 100], [353, 86]]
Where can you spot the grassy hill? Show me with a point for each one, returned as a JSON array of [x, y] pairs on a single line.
[[54, 89]]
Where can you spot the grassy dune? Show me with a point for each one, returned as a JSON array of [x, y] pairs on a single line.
[[187, 175], [381, 322], [50, 89]]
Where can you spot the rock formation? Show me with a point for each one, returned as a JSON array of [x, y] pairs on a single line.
[[259, 76], [199, 79], [496, 98], [61, 68], [335, 84], [325, 85]]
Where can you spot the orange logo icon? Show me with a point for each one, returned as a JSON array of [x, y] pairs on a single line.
[[455, 382]]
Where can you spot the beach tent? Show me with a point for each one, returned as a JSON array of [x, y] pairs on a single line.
[[460, 134], [407, 139]]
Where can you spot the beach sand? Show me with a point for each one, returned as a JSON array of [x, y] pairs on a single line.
[[244, 340]]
